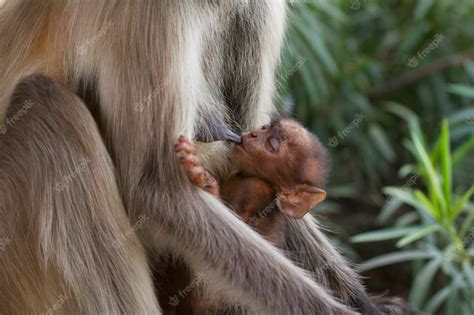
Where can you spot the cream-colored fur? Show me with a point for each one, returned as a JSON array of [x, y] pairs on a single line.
[[182, 61]]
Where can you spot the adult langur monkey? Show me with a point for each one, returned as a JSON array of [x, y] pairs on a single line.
[[93, 95]]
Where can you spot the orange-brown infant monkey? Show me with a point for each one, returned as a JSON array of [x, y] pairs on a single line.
[[282, 170]]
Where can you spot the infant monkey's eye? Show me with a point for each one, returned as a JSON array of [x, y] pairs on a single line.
[[274, 144], [265, 127]]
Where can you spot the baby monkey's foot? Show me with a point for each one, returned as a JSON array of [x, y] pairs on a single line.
[[186, 151]]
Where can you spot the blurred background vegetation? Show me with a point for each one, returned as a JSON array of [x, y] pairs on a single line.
[[375, 80]]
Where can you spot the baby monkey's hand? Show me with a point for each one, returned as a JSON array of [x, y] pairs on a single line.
[[186, 151]]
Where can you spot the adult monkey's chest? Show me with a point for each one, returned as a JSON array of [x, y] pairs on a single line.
[[240, 50], [237, 62]]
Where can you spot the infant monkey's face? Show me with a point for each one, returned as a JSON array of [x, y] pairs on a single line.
[[291, 159], [274, 152]]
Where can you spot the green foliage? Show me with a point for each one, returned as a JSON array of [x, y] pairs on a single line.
[[341, 57], [351, 69], [441, 237]]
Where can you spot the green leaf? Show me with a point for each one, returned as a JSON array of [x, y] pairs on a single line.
[[381, 142], [462, 132], [391, 205], [461, 116], [394, 258], [462, 150], [401, 111], [420, 233], [430, 208], [461, 202], [436, 152], [422, 282], [452, 304], [468, 221], [382, 235], [406, 195], [406, 114], [422, 8], [408, 144], [470, 252], [446, 165], [407, 169], [318, 47], [462, 90], [309, 86], [332, 11], [469, 272], [407, 219], [414, 36], [433, 180], [435, 302]]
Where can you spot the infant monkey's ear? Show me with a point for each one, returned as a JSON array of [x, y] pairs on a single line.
[[300, 200]]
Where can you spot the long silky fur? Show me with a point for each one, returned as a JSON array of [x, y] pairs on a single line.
[[309, 248], [58, 196], [183, 61]]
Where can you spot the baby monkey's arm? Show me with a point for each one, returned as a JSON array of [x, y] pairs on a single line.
[[186, 150]]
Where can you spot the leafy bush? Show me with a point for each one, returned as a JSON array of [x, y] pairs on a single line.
[[439, 233], [348, 59], [351, 69]]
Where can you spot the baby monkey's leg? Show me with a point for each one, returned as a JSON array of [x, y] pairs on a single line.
[[186, 151]]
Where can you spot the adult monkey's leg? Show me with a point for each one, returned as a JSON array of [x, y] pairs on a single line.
[[68, 245]]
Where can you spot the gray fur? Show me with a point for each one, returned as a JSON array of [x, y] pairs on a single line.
[[181, 61]]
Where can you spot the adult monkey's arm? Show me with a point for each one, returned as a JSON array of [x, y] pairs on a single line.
[[312, 251]]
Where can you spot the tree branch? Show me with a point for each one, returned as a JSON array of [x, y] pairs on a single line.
[[411, 77]]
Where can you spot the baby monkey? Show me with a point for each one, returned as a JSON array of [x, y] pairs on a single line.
[[281, 170]]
